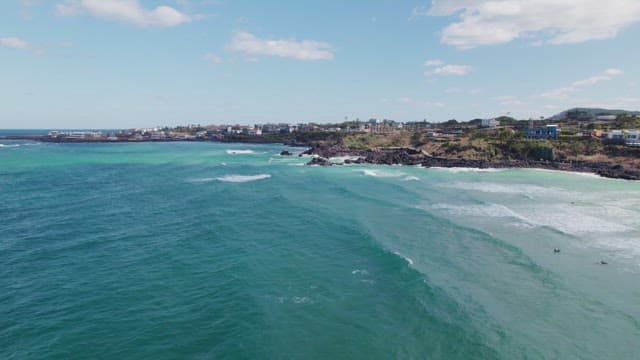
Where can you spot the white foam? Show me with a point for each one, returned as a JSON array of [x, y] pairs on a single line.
[[360, 272], [407, 259], [382, 173], [240, 152], [9, 145], [520, 189], [341, 159], [301, 300], [569, 219], [465, 169], [577, 173], [411, 178], [200, 180], [576, 220], [242, 178], [489, 210]]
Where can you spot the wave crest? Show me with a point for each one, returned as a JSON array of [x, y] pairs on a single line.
[[242, 178], [240, 152]]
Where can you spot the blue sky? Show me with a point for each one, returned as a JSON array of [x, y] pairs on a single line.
[[138, 63]]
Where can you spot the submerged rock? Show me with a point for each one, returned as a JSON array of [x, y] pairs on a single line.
[[285, 153]]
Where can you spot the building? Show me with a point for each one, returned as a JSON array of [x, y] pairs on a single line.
[[616, 135], [489, 123], [543, 133], [158, 135], [606, 117], [632, 137]]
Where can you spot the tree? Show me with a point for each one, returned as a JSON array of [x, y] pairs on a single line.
[[416, 138]]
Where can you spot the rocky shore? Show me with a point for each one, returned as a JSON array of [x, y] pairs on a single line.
[[411, 156]]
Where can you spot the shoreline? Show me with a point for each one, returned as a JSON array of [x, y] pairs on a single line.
[[386, 156], [415, 157]]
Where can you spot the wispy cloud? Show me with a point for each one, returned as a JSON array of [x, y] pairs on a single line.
[[308, 50], [129, 11], [434, 62], [14, 43], [439, 67], [489, 22], [446, 70], [453, 70], [213, 59], [564, 92]]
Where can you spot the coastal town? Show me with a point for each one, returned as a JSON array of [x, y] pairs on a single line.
[[574, 123], [605, 142]]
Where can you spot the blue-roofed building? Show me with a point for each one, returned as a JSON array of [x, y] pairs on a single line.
[[543, 133]]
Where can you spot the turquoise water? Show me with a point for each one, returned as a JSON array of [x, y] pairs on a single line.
[[205, 250]]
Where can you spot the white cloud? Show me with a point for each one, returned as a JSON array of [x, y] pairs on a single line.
[[458, 70], [213, 59], [488, 22], [128, 11], [14, 43], [564, 92], [613, 71], [249, 44], [439, 67], [434, 62]]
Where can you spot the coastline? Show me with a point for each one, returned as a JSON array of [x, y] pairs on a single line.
[[413, 157], [386, 156]]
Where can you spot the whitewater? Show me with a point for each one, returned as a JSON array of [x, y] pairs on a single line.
[[209, 250]]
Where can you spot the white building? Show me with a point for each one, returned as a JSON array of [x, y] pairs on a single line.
[[489, 123], [632, 137], [615, 135]]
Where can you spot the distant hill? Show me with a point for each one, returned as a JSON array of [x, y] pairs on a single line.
[[589, 113]]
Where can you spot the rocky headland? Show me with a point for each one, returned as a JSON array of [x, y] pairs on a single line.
[[412, 156]]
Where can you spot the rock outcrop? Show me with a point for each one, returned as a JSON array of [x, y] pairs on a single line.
[[410, 156]]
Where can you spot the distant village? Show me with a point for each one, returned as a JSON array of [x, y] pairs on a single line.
[[572, 123]]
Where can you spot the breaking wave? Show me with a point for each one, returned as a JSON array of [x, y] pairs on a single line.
[[240, 152], [242, 178]]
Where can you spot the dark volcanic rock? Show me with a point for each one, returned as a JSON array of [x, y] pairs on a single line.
[[320, 161], [410, 156], [285, 153], [359, 160]]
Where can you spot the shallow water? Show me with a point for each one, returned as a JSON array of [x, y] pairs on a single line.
[[205, 250]]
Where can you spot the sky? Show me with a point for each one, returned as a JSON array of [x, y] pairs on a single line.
[[142, 63]]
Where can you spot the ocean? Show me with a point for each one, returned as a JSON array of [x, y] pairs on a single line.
[[231, 251]]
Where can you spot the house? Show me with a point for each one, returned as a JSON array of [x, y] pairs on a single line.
[[543, 133]]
